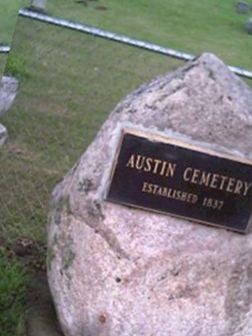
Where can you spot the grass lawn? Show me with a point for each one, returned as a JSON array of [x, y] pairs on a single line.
[[193, 27], [190, 26], [66, 92], [8, 15], [69, 82]]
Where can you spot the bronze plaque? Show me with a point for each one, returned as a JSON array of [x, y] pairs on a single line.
[[169, 176]]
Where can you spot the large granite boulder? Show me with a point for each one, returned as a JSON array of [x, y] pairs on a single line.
[[8, 93], [115, 270], [249, 26]]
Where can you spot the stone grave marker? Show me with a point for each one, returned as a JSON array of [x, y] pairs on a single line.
[[8, 93], [124, 268], [242, 7], [249, 26], [3, 134]]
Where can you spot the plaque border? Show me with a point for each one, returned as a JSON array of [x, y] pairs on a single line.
[[157, 137]]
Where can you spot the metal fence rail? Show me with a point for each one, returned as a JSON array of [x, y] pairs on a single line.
[[4, 49], [119, 38]]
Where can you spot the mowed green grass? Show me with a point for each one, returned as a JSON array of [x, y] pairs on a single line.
[[69, 83], [191, 26], [8, 16]]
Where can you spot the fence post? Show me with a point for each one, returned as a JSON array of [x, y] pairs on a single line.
[[39, 4]]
